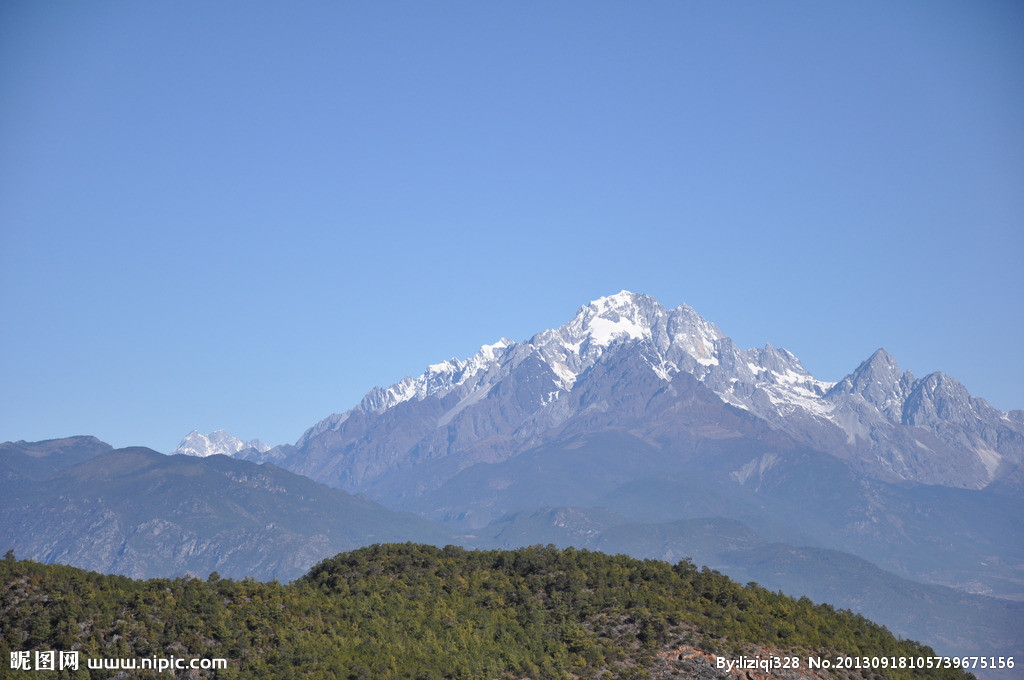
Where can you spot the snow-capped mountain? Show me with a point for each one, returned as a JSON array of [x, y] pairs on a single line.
[[510, 394], [674, 340], [218, 442]]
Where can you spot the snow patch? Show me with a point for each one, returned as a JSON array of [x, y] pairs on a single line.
[[603, 331], [470, 399], [566, 377], [757, 466], [664, 370], [990, 459]]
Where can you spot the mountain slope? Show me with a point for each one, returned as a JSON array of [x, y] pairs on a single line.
[[138, 512], [956, 622], [407, 611]]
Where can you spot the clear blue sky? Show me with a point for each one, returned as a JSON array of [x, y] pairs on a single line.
[[245, 215]]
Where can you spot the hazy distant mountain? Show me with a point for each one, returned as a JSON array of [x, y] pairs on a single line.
[[958, 622], [141, 513], [38, 460], [217, 443]]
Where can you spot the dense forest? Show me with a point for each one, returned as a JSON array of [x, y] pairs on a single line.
[[427, 613]]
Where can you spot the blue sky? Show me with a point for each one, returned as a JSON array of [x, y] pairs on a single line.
[[245, 215]]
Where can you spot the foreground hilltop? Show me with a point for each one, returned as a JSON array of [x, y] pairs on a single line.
[[412, 611]]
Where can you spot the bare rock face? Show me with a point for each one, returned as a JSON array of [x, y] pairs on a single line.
[[929, 430], [756, 664]]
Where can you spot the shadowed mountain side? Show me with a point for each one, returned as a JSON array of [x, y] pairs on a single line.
[[141, 513], [576, 471], [972, 540], [621, 423]]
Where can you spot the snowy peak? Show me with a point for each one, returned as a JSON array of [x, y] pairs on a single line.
[[902, 399], [436, 380], [624, 315], [679, 339], [573, 347], [675, 340], [634, 316], [689, 332], [510, 393], [568, 351], [218, 442], [769, 382], [596, 325]]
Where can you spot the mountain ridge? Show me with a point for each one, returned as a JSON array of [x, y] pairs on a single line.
[[141, 513], [218, 442], [876, 417]]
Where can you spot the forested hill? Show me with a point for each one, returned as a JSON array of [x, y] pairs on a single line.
[[421, 612]]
